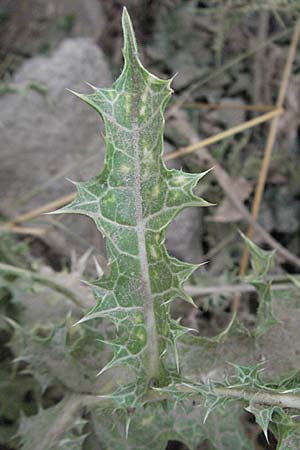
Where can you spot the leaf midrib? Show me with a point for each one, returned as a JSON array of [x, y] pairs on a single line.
[[149, 315]]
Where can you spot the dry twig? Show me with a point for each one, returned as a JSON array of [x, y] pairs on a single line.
[[227, 105], [31, 231], [222, 289], [224, 134], [51, 206]]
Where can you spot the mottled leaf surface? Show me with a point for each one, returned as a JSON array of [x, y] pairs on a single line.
[[64, 355], [132, 202], [42, 431], [153, 426], [261, 261]]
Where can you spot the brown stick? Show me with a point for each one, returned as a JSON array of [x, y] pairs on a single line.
[[33, 231], [61, 201], [270, 143], [224, 134], [225, 105], [195, 291]]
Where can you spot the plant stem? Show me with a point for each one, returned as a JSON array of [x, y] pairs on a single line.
[[232, 288], [154, 363], [75, 403], [262, 397], [259, 396], [232, 106]]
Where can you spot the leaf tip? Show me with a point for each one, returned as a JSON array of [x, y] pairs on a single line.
[[130, 46], [91, 86]]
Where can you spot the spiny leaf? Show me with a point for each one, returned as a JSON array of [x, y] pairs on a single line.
[[153, 426], [263, 416], [286, 429], [245, 376], [251, 376], [42, 431], [290, 383], [289, 441], [261, 261], [132, 202], [265, 315], [62, 352]]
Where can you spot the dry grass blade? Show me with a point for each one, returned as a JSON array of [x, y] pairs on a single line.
[[228, 105], [224, 134], [31, 231], [222, 289], [61, 201]]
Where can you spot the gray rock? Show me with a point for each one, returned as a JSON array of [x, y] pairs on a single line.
[[184, 233], [46, 138], [183, 236]]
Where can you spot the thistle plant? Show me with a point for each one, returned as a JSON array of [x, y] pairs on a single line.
[[132, 202], [148, 379]]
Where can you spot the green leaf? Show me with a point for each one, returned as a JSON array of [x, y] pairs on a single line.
[[55, 428], [265, 315], [64, 355], [261, 261], [291, 441], [246, 376], [263, 415], [153, 426], [287, 430], [132, 202]]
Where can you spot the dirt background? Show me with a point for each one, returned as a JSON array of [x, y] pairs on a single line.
[[228, 52]]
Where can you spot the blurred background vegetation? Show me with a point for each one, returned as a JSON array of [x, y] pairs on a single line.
[[227, 54]]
